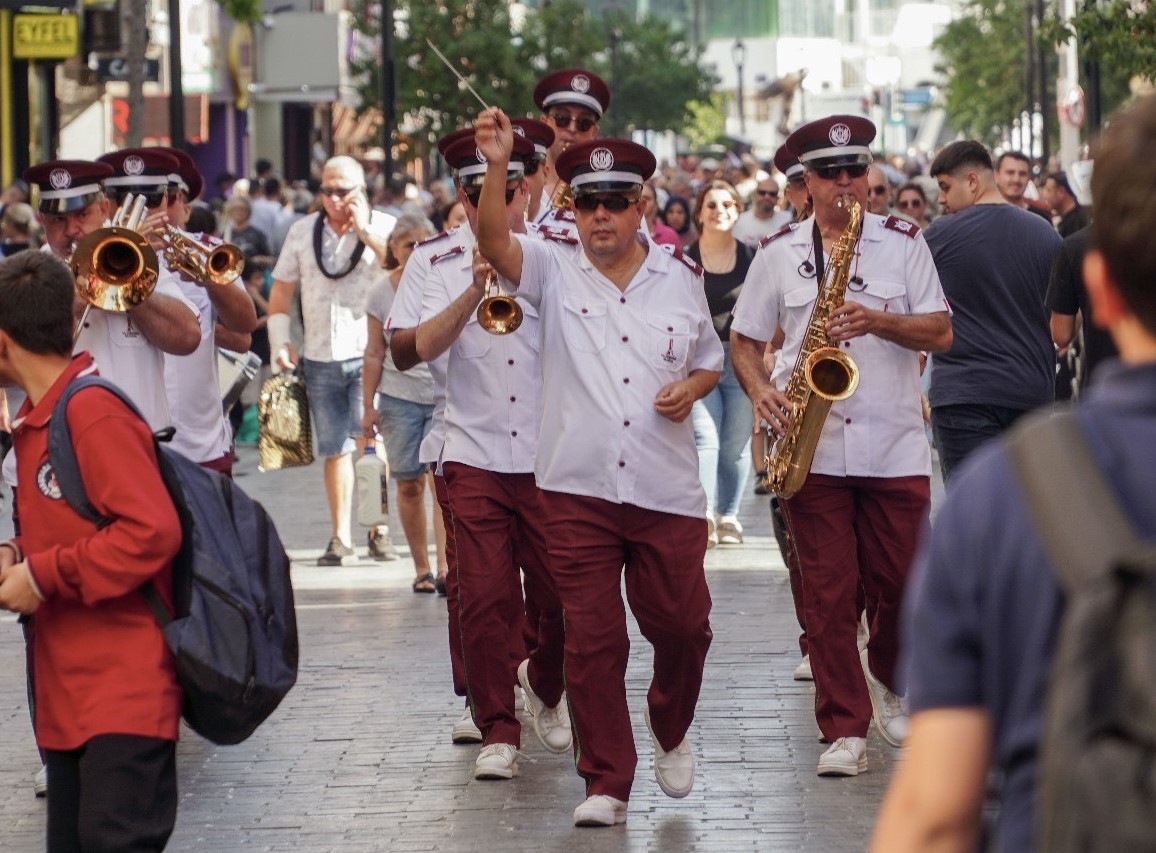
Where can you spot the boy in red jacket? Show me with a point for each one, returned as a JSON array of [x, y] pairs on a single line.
[[107, 700]]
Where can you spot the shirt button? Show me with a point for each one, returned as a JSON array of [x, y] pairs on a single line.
[[623, 300], [847, 420], [847, 344], [625, 338], [626, 381], [513, 399], [584, 311], [511, 361], [626, 423], [514, 433], [670, 328], [621, 464]]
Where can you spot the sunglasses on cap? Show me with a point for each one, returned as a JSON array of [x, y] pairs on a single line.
[[153, 199], [768, 193], [562, 121], [831, 173], [613, 202], [338, 192], [473, 194]]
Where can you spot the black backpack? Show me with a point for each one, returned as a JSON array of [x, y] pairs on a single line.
[[234, 632], [1096, 783]]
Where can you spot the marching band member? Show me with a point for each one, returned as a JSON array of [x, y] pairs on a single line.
[[627, 346]]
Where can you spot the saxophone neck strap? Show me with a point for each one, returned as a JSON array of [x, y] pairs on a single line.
[[820, 260]]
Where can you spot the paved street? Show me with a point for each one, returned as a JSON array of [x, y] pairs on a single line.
[[359, 758]]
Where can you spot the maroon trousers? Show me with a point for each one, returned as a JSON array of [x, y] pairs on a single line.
[[455, 633], [497, 527], [847, 532], [591, 540]]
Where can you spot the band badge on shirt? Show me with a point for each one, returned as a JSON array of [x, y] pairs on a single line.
[[130, 331], [669, 357], [46, 481]]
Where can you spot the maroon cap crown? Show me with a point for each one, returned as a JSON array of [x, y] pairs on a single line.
[[468, 162], [67, 185], [187, 176], [788, 164], [835, 140], [538, 132], [605, 164], [450, 138], [140, 169], [573, 86]]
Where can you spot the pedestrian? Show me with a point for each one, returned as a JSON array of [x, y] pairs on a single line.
[[678, 218], [763, 217], [107, 700], [627, 346], [855, 521], [1013, 173], [326, 254], [912, 204], [985, 606], [994, 263], [1057, 193]]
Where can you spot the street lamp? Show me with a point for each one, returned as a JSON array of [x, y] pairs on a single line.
[[739, 55]]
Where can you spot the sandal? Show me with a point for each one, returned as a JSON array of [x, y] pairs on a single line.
[[424, 584], [440, 584]]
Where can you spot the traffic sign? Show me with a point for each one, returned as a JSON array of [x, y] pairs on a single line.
[[115, 68], [45, 36]]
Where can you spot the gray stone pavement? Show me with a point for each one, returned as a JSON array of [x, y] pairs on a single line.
[[359, 758]]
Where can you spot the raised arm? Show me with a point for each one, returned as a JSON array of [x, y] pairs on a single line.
[[437, 334], [495, 139], [168, 324]]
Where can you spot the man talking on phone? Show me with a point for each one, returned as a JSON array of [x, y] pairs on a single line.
[[335, 255]]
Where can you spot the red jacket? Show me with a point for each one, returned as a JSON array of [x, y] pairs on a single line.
[[101, 663]]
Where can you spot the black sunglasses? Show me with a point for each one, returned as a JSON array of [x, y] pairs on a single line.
[[153, 199], [911, 203], [338, 192], [475, 193], [831, 173], [562, 121], [771, 193], [878, 190], [613, 202]]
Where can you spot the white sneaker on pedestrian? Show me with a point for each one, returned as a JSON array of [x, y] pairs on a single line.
[[465, 730], [888, 710], [711, 530], [730, 532], [847, 756], [40, 782], [551, 725], [600, 810], [674, 770], [497, 761], [803, 670]]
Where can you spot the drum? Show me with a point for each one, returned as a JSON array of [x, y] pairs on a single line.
[[235, 370]]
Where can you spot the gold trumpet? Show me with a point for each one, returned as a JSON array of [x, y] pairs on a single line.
[[562, 197], [115, 267], [212, 264], [499, 314]]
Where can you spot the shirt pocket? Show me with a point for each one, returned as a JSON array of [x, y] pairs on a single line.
[[881, 295], [531, 326], [668, 338], [474, 341], [584, 324], [125, 332]]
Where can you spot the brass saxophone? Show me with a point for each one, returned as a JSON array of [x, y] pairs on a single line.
[[823, 373]]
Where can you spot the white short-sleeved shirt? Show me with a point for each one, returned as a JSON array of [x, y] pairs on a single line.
[[878, 431], [191, 382], [405, 313], [493, 384], [606, 353], [750, 229], [332, 309], [125, 356], [416, 384]]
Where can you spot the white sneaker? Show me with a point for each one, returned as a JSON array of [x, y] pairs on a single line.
[[674, 770], [600, 810], [465, 730], [888, 710], [711, 531], [497, 761], [730, 532], [552, 725], [803, 670], [40, 781], [847, 756]]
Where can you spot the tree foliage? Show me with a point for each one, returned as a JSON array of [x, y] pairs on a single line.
[[245, 11], [1120, 32]]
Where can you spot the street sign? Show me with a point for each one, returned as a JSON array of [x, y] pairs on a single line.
[[115, 68], [45, 36]]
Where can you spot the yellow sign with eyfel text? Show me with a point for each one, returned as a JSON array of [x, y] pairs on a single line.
[[45, 36]]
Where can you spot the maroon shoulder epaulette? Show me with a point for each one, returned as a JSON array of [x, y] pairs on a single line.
[[563, 214], [434, 238], [448, 253], [558, 235], [679, 255], [786, 229], [901, 225]]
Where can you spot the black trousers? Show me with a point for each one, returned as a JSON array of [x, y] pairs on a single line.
[[116, 793]]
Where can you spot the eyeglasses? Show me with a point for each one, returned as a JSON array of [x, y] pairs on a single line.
[[613, 202], [725, 205], [475, 193], [877, 190], [831, 173], [338, 192], [768, 193], [915, 202], [581, 124]]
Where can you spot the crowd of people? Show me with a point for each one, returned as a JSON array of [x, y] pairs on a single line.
[[584, 357]]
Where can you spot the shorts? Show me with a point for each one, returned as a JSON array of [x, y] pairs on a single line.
[[334, 389], [404, 424]]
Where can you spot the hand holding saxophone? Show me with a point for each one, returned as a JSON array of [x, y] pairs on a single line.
[[772, 410]]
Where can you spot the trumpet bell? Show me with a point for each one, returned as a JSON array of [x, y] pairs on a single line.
[[500, 315], [115, 268], [212, 264]]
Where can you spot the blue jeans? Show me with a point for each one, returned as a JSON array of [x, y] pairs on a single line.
[[404, 424], [723, 422], [334, 389]]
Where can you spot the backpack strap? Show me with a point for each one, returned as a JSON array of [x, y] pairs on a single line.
[[1078, 516]]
